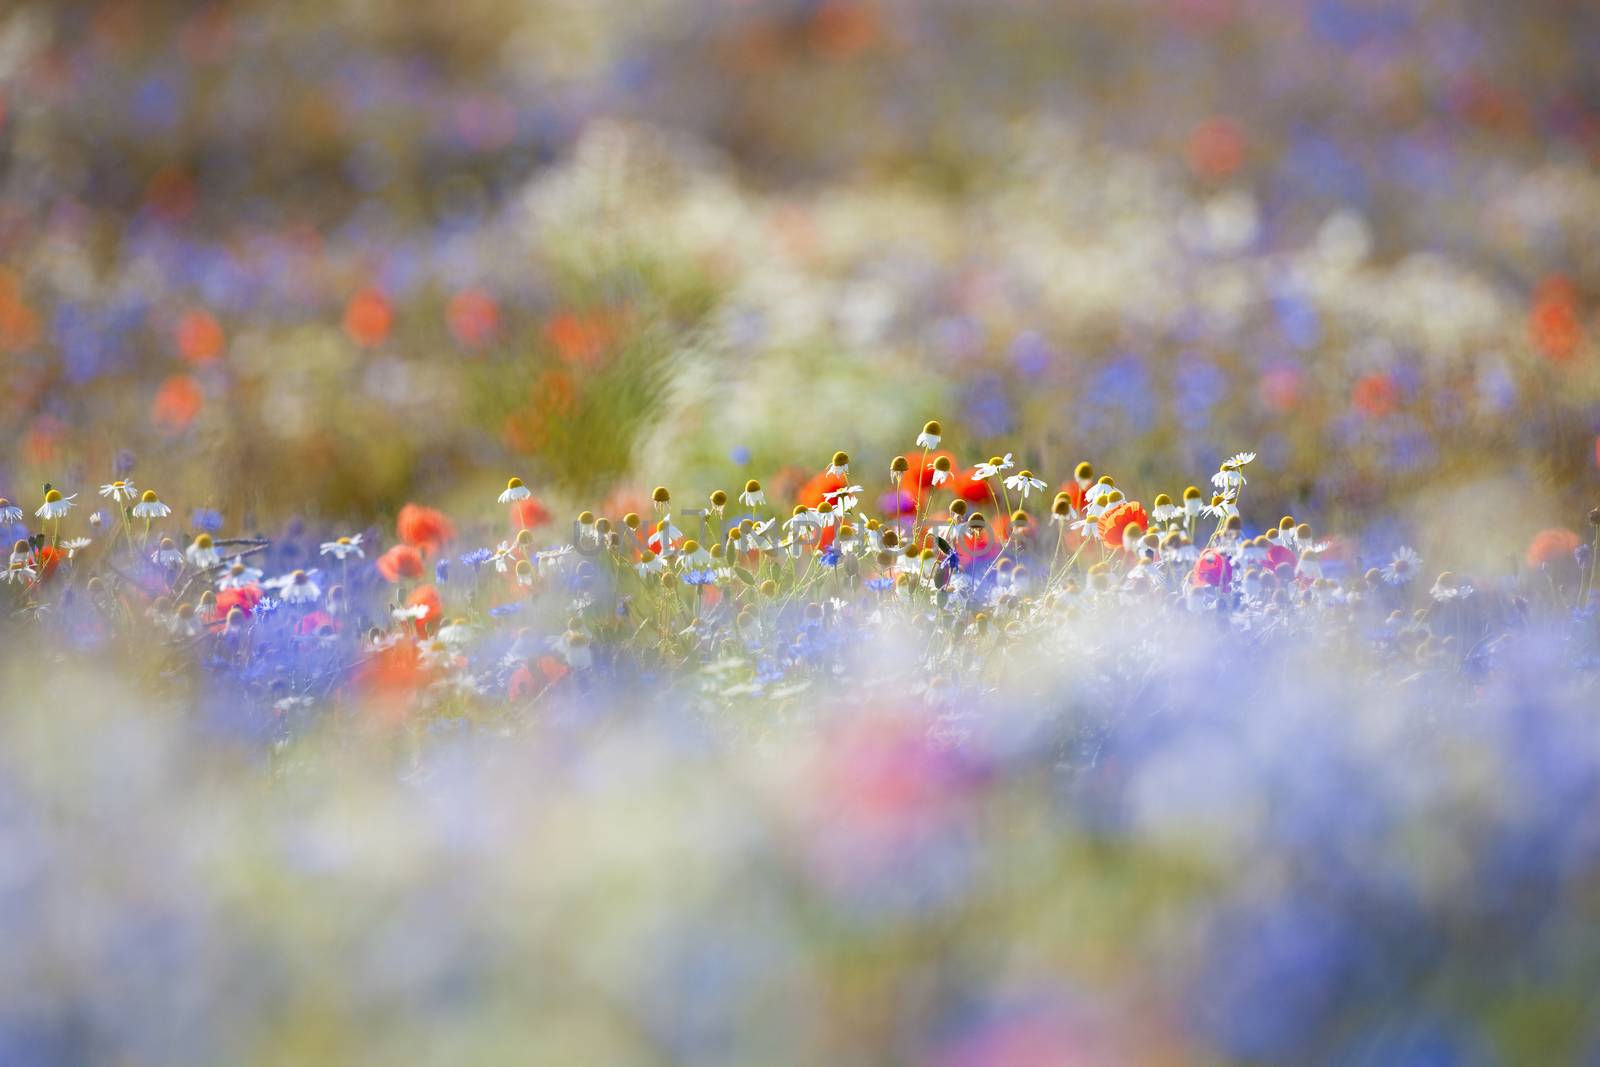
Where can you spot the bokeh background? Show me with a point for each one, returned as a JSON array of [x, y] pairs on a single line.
[[307, 259]]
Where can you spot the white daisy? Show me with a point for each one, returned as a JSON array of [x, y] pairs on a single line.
[[994, 466], [203, 552], [1221, 507], [844, 498], [650, 564], [1403, 567], [1024, 482], [238, 574], [840, 465], [9, 512], [932, 433], [941, 471], [74, 545], [149, 507], [411, 612], [502, 558], [344, 547], [20, 570], [120, 490], [1229, 479], [55, 505], [167, 554], [296, 587], [515, 491], [1241, 458], [1098, 491], [753, 496]]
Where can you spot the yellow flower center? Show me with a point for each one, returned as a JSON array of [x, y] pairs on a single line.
[[514, 483], [52, 496]]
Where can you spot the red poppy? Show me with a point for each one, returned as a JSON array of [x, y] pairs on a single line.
[[176, 403], [368, 318], [528, 514], [814, 492], [1552, 547], [921, 470], [401, 561], [521, 686], [426, 596], [200, 337], [1375, 395], [969, 487], [46, 560], [1115, 520], [1211, 569], [243, 597], [1075, 493], [474, 317], [424, 528], [1279, 555], [313, 621]]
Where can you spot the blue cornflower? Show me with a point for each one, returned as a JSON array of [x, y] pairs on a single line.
[[880, 585], [441, 571], [829, 556], [699, 577], [267, 605], [476, 558], [506, 609], [207, 519]]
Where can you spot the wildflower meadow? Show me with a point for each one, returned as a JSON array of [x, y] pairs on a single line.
[[772, 533]]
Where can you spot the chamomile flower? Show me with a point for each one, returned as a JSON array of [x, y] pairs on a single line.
[[20, 569], [932, 433], [1403, 568], [167, 554], [649, 564], [149, 507], [753, 496], [120, 491], [344, 547], [238, 574], [1101, 489], [1193, 502], [1025, 483], [1241, 458], [9, 512], [296, 587], [942, 471], [1221, 507], [203, 552], [995, 465], [839, 464], [73, 545], [515, 491], [1229, 480], [694, 556], [55, 505], [503, 557], [844, 498]]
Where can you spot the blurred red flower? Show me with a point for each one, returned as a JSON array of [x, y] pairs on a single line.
[[1211, 569], [426, 596], [424, 528], [368, 318], [401, 561], [529, 514], [1552, 547]]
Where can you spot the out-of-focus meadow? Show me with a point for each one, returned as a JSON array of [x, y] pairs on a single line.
[[817, 740], [337, 255]]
